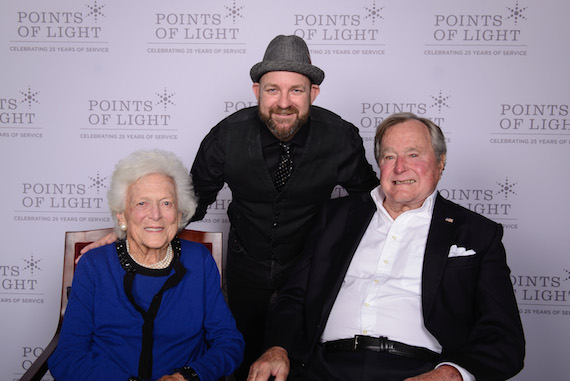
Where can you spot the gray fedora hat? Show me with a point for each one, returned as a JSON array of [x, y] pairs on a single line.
[[287, 53]]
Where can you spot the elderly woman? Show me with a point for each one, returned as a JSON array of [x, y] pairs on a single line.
[[148, 306]]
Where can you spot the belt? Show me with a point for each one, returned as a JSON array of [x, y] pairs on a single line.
[[380, 344]]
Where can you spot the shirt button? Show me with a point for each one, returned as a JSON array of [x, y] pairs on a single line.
[[394, 238], [364, 331], [386, 261], [376, 281], [366, 305]]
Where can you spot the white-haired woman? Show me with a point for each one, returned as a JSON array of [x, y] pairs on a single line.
[[149, 306]]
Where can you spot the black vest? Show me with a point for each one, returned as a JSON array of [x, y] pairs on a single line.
[[271, 223]]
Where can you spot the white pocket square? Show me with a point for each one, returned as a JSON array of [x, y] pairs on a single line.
[[455, 251]]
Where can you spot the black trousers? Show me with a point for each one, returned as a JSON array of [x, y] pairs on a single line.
[[251, 284], [358, 366]]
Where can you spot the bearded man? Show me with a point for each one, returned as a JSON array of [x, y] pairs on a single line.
[[281, 159]]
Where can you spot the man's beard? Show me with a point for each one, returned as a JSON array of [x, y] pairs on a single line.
[[283, 134]]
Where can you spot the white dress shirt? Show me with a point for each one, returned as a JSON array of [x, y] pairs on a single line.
[[384, 277]]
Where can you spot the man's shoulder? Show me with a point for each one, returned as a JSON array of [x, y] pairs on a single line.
[[244, 115], [326, 116], [246, 118], [355, 210], [461, 213], [353, 201]]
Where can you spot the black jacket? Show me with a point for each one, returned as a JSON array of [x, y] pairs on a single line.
[[267, 222]]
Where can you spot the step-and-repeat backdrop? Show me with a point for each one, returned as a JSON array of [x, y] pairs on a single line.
[[84, 83]]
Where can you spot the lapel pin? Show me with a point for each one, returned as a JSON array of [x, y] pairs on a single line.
[[449, 219]]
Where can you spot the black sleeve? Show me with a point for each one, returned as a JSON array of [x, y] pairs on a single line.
[[208, 170], [355, 174]]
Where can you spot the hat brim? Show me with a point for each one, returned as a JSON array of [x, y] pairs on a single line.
[[315, 74]]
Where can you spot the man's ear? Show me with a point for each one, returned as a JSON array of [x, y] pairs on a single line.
[[441, 165], [315, 90], [256, 88]]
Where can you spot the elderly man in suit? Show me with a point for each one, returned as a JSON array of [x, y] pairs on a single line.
[[401, 284]]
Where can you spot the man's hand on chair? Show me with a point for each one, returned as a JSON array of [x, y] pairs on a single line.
[[109, 238]]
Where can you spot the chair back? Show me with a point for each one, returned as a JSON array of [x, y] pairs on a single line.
[[212, 241], [74, 242]]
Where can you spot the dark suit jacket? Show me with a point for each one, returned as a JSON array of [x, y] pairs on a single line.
[[468, 302]]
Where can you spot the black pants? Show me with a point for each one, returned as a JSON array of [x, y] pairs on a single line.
[[251, 284], [358, 366]]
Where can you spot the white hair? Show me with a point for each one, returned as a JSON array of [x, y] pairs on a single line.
[[146, 162]]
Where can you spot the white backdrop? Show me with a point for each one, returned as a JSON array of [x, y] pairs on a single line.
[[83, 84]]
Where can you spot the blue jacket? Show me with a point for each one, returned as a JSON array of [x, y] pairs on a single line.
[[101, 336]]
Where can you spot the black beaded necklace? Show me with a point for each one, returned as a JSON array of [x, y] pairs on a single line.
[[131, 269]]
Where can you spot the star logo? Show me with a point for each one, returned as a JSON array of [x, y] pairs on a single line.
[[234, 11], [567, 275], [440, 101], [95, 10], [516, 13], [506, 188], [32, 264], [98, 182], [373, 13], [29, 97], [165, 99]]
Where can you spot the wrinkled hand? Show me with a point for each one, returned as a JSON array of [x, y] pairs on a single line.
[[443, 373], [274, 362], [172, 377], [109, 238]]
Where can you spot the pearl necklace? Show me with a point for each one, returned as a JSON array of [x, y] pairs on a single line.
[[164, 263]]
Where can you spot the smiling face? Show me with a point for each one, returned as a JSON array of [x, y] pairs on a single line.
[[151, 214], [409, 170], [284, 99]]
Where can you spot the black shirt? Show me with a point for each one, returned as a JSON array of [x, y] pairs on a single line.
[[272, 151]]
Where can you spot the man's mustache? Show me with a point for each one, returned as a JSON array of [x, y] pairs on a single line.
[[284, 111]]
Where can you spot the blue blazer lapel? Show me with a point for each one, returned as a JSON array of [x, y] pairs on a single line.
[[441, 232]]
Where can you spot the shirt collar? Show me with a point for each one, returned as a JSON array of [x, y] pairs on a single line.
[[378, 197]]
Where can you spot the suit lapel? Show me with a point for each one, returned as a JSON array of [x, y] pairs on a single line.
[[357, 219], [442, 230]]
